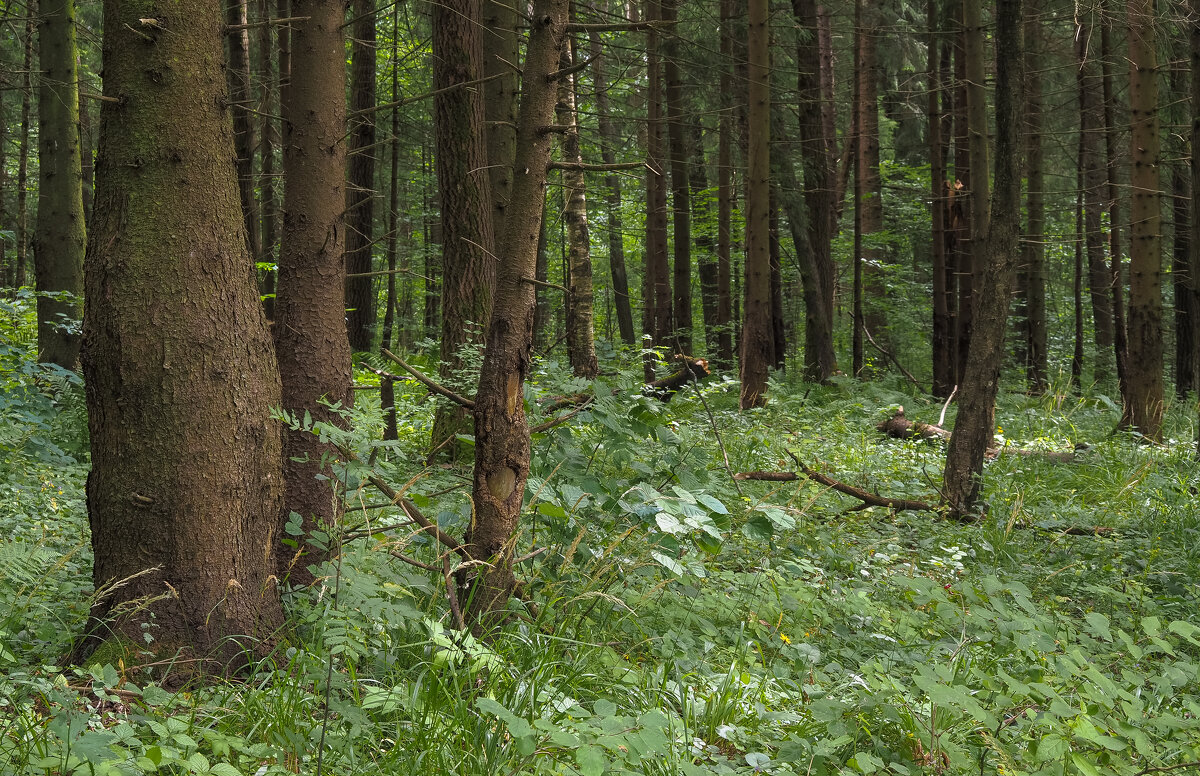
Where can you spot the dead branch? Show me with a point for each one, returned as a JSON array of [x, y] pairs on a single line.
[[890, 357], [588, 167], [900, 427], [549, 424], [767, 476], [430, 384]]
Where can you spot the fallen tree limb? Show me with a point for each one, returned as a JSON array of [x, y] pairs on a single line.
[[900, 427], [430, 384]]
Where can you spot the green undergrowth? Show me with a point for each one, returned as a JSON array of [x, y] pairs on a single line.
[[677, 621]]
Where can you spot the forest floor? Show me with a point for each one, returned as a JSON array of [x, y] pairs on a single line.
[[683, 622]]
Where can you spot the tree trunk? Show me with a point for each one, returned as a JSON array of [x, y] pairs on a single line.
[[1145, 410], [360, 194], [387, 388], [1091, 128], [501, 57], [268, 137], [1194, 242], [60, 237], [815, 254], [87, 167], [725, 358], [468, 241], [22, 230], [612, 181], [1182, 280], [238, 74], [581, 338], [973, 261], [868, 182], [310, 324], [656, 287], [1120, 329], [501, 431], [975, 424], [1033, 252], [186, 486], [942, 356], [757, 341], [681, 200], [1077, 287]]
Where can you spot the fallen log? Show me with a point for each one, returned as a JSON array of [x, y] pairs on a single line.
[[690, 370], [900, 427]]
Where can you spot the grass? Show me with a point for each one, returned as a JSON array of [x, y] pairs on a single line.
[[685, 624]]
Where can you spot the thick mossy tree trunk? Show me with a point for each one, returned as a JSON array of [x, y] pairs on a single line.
[[757, 338], [360, 194], [186, 482], [468, 242], [310, 323], [816, 259], [1144, 402], [975, 423], [60, 236], [581, 338], [501, 431]]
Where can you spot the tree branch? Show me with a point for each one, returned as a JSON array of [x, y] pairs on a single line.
[[585, 167], [430, 384]]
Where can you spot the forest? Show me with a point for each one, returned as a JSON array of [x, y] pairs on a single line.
[[607, 387]]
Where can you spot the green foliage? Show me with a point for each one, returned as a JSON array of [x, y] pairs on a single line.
[[677, 622]]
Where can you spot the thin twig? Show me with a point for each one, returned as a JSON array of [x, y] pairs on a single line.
[[430, 384]]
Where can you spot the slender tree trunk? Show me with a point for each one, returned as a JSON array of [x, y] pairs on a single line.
[[310, 324], [681, 200], [87, 167], [706, 242], [22, 230], [268, 139], [868, 182], [1091, 129], [360, 194], [725, 358], [501, 431], [387, 388], [60, 237], [972, 261], [612, 181], [757, 340], [581, 338], [468, 241], [815, 253], [975, 424], [186, 486], [961, 266], [1182, 280], [1033, 252], [1145, 401], [1120, 329], [1194, 242], [656, 293], [942, 331], [1077, 287], [238, 74]]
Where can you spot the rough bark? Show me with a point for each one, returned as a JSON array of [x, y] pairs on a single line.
[[1182, 281], [501, 60], [1145, 400], [310, 325], [757, 340], [360, 190], [815, 253], [238, 74], [1194, 242], [501, 431], [387, 388], [581, 339], [975, 424], [60, 236], [612, 182], [186, 485], [468, 242]]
